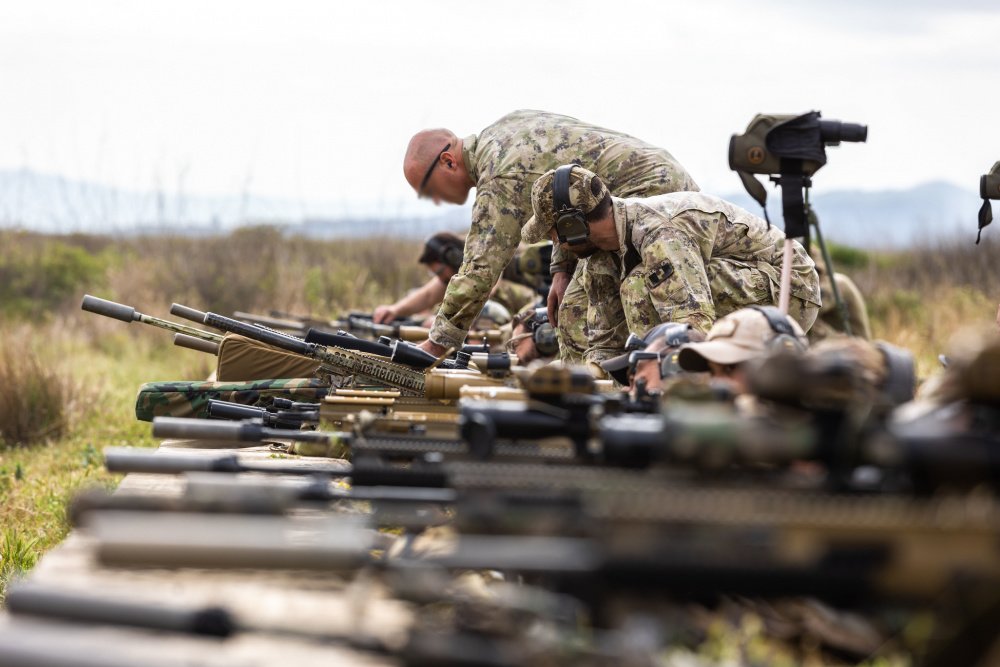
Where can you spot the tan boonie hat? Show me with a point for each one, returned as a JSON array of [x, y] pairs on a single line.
[[733, 339], [585, 193]]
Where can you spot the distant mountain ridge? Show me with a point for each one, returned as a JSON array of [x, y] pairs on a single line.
[[886, 218], [50, 203]]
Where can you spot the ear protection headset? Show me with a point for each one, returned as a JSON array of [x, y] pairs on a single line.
[[780, 324], [674, 335], [571, 225], [449, 253]]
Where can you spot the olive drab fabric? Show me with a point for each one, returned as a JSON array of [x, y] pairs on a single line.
[[830, 321], [504, 160], [242, 359], [702, 258], [513, 296], [190, 399]]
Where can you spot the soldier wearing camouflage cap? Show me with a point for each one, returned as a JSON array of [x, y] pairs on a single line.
[[502, 162], [685, 257], [749, 333]]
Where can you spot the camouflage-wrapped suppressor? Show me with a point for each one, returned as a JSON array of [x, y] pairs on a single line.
[[128, 314]]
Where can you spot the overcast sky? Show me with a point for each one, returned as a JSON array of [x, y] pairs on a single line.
[[316, 100]]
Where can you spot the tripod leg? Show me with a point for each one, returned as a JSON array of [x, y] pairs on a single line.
[[786, 277], [841, 306]]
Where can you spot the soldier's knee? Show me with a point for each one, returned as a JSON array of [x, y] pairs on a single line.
[[572, 340], [803, 312]]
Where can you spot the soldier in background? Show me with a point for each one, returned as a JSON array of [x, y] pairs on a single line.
[[652, 358], [533, 337], [740, 337], [442, 255], [685, 257], [830, 322], [502, 162], [842, 371]]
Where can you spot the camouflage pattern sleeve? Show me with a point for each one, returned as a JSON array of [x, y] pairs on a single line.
[[492, 240], [674, 278]]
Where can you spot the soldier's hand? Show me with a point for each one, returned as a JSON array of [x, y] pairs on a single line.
[[560, 281], [432, 347], [384, 315]]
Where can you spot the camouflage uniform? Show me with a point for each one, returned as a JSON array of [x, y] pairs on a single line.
[[504, 160], [514, 296], [699, 258], [830, 323]]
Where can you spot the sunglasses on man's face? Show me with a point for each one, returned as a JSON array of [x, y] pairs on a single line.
[[422, 191]]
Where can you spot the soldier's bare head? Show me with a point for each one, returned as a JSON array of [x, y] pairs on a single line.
[[434, 168]]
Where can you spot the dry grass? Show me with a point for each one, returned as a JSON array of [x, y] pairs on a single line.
[[256, 269], [40, 396], [253, 268], [919, 299], [37, 481]]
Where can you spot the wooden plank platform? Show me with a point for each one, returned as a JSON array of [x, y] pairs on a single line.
[[301, 601]]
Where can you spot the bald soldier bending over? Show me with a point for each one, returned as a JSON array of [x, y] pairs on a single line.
[[502, 163]]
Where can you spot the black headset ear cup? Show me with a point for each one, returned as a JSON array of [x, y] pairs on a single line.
[[453, 257], [445, 251], [570, 223], [781, 324]]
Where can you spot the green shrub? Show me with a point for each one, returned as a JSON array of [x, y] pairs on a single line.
[[41, 274], [846, 258]]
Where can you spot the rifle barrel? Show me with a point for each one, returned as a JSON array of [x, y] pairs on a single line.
[[128, 314]]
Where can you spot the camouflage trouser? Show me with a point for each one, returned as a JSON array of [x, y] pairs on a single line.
[[572, 329], [592, 324]]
